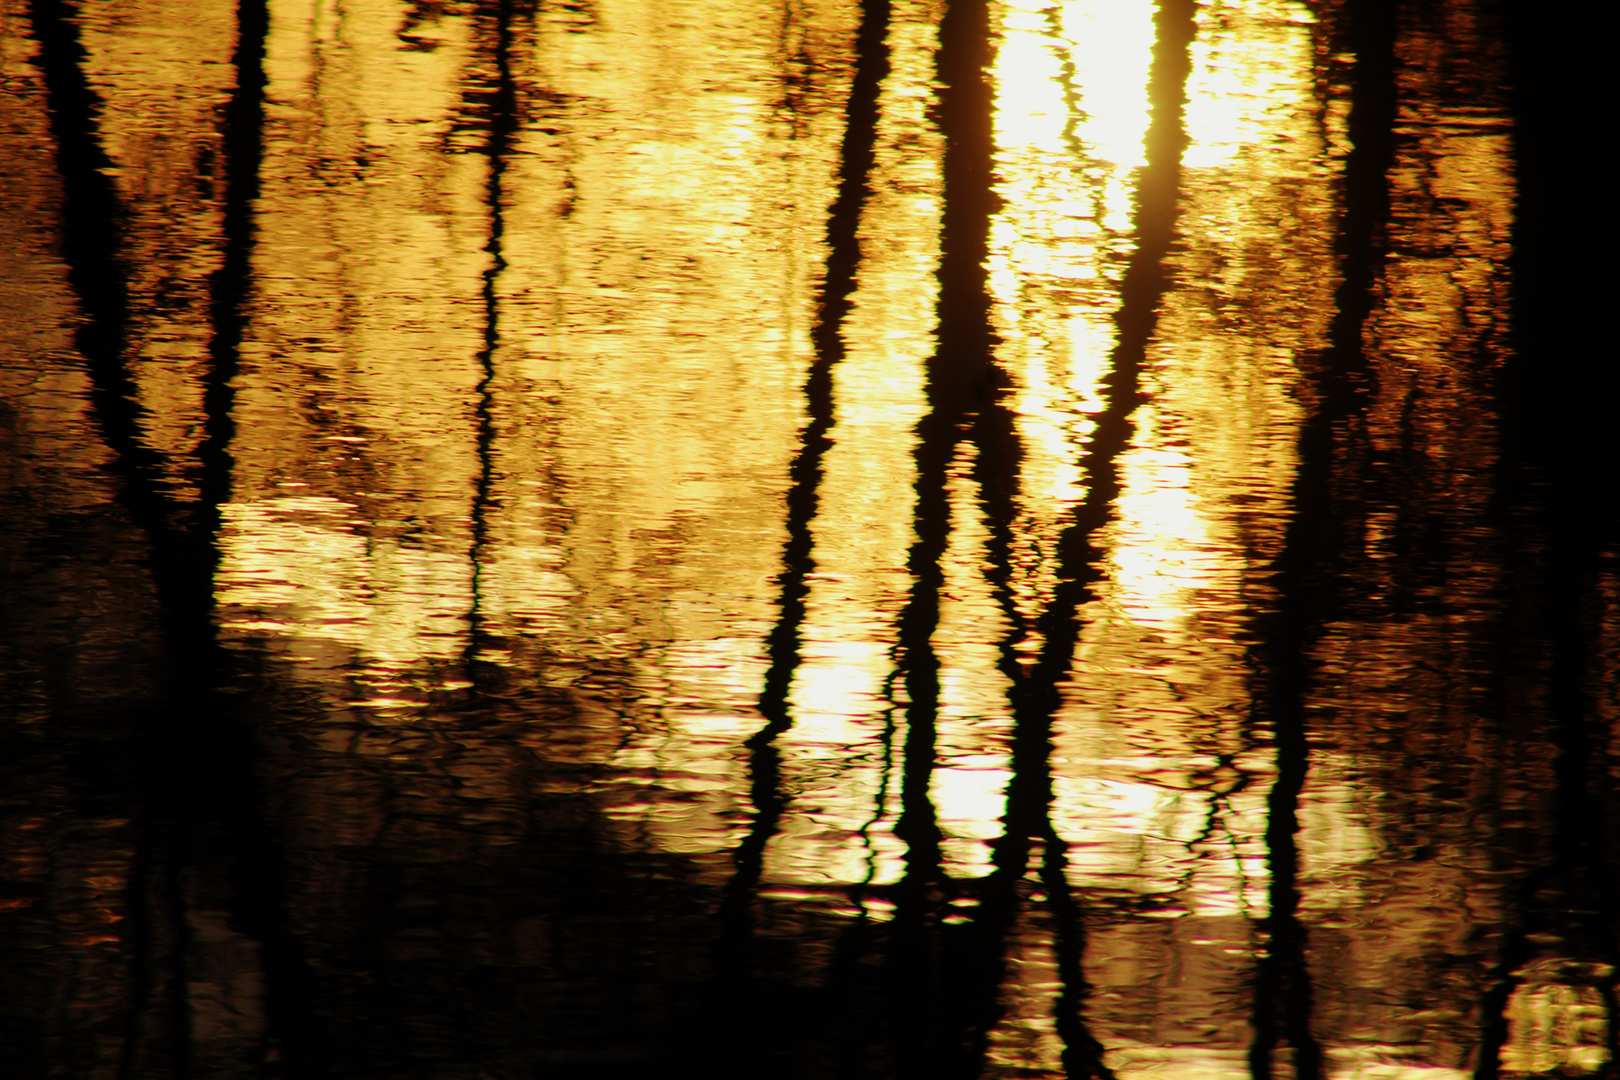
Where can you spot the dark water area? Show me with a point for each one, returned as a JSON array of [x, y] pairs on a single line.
[[776, 538]]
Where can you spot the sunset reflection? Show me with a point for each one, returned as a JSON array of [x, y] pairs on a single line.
[[841, 751], [825, 538], [1163, 779]]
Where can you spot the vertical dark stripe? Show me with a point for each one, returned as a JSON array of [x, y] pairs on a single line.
[[784, 644], [967, 391], [231, 284], [200, 761], [1303, 575], [1036, 695], [961, 380], [1082, 1051], [1080, 560], [220, 755], [503, 125], [1559, 390], [92, 226], [1559, 481], [1558, 387]]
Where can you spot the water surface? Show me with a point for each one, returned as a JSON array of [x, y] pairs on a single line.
[[776, 538]]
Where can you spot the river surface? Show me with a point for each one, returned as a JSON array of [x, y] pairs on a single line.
[[789, 538]]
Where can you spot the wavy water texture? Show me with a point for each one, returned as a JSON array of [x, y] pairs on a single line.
[[805, 538]]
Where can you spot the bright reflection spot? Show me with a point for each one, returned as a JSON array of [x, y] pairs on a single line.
[[1111, 42], [1376, 1061], [1065, 114], [1558, 1022], [299, 566], [1241, 87], [1162, 552], [970, 798]]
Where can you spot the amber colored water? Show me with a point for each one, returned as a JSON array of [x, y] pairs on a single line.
[[776, 538]]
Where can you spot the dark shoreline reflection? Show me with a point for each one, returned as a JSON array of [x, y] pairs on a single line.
[[901, 538]]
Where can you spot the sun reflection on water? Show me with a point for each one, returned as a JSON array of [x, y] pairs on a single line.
[[520, 410]]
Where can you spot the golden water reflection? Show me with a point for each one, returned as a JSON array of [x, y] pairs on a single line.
[[840, 755], [527, 389]]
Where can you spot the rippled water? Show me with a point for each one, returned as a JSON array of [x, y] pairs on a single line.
[[780, 538]]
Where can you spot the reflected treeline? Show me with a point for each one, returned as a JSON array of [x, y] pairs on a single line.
[[195, 801], [1308, 595], [909, 538]]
